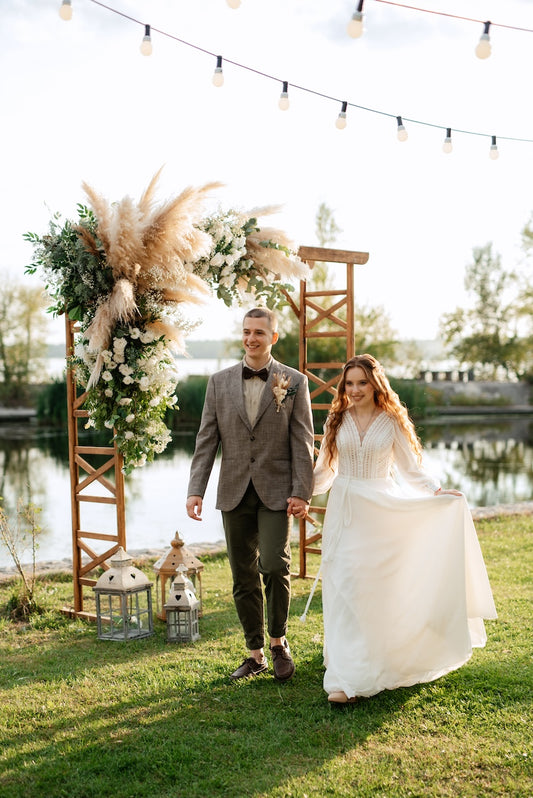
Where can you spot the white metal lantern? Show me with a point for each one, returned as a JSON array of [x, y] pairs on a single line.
[[123, 601], [181, 610], [165, 569]]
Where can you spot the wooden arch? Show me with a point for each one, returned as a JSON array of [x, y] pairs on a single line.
[[321, 314], [324, 314]]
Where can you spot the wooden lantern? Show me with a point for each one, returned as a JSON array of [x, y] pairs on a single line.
[[123, 601], [182, 611], [166, 567]]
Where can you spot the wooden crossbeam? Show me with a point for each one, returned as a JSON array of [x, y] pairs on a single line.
[[316, 302], [83, 473]]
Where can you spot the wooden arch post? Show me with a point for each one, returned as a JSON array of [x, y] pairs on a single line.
[[89, 467], [319, 317]]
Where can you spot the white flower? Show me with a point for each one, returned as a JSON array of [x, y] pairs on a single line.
[[130, 417], [144, 383], [108, 424], [125, 369], [125, 401], [107, 376], [154, 401], [135, 332], [217, 260], [128, 380], [279, 388], [108, 392], [128, 435]]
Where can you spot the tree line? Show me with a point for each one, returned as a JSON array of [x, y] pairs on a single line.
[[493, 334]]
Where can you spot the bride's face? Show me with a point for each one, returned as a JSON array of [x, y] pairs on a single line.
[[359, 389]]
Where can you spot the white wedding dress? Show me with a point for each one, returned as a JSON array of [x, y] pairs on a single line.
[[404, 585]]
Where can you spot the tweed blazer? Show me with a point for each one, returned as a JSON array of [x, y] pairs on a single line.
[[276, 452]]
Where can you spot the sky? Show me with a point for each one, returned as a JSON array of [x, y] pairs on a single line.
[[80, 103]]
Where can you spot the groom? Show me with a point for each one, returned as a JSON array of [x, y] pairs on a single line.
[[259, 411]]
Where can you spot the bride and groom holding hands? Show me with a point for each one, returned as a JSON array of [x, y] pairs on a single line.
[[404, 585]]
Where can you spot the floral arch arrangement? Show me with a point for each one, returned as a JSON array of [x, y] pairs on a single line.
[[125, 271]]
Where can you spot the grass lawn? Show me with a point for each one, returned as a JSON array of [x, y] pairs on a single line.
[[84, 718]]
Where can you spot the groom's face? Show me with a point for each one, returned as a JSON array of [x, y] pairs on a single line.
[[257, 338]]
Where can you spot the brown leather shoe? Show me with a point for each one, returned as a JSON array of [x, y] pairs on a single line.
[[282, 662], [250, 667]]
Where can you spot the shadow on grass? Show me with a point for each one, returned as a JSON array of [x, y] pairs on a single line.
[[159, 720]]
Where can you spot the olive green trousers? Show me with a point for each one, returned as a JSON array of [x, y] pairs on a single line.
[[258, 545]]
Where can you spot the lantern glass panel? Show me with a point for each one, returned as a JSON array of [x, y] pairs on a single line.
[[124, 616], [182, 624]]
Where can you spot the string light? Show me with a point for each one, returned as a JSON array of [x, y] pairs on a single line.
[[233, 3], [483, 48], [355, 25], [493, 153], [341, 119], [65, 12], [146, 44], [218, 75], [218, 78], [401, 131], [283, 101], [447, 146]]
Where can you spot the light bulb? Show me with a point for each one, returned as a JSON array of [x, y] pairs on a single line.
[[146, 44], [65, 12], [354, 27], [483, 48], [283, 102], [218, 75], [341, 119], [493, 153], [233, 3], [447, 146], [401, 132]]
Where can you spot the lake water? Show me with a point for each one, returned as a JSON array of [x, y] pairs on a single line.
[[489, 459]]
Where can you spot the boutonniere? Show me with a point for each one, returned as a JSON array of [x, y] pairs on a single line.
[[281, 389]]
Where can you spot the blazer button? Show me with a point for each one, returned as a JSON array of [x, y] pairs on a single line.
[[252, 459], [252, 437]]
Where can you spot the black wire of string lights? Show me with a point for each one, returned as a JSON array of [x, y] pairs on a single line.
[[355, 30]]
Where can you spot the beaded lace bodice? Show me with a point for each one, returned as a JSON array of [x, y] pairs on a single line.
[[372, 457]]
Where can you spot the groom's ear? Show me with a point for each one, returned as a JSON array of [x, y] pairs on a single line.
[[275, 337]]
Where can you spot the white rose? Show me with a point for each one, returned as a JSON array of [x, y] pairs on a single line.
[[128, 435], [130, 417], [107, 376]]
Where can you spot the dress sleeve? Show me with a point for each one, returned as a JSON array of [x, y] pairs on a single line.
[[324, 473], [407, 465]]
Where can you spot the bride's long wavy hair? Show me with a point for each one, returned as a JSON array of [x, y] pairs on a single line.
[[384, 397]]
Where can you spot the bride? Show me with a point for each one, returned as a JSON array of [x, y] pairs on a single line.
[[404, 584]]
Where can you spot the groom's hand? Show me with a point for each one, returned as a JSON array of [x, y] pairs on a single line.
[[297, 507], [194, 507]]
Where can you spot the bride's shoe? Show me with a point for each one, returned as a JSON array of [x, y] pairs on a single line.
[[340, 697]]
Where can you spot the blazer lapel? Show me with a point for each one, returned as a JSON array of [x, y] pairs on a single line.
[[237, 394], [267, 396]]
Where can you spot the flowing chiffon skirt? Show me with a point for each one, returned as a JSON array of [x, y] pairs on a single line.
[[404, 587]]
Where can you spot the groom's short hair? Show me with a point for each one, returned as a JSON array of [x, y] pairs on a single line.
[[263, 313]]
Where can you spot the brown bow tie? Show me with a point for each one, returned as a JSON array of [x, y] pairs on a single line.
[[249, 373]]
